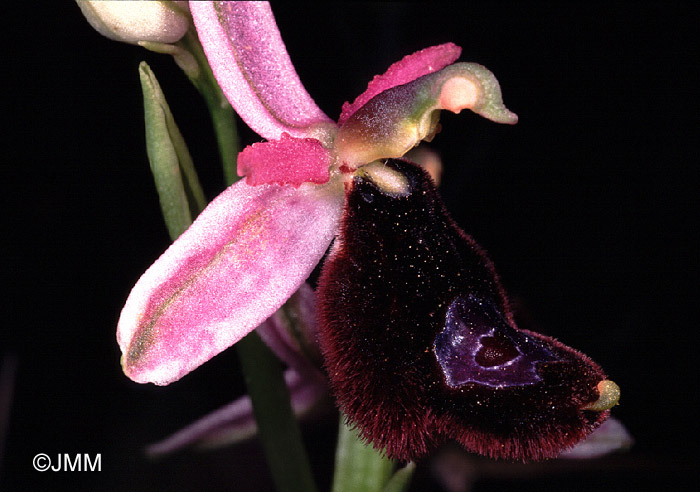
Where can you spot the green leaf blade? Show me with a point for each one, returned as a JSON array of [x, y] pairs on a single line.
[[180, 194]]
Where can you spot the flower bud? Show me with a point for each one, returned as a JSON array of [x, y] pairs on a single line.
[[137, 21]]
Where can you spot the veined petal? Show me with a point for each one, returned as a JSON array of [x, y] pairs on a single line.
[[406, 70], [251, 64], [246, 253], [396, 120], [286, 161]]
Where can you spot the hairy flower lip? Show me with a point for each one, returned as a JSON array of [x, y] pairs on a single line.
[[385, 295], [385, 178]]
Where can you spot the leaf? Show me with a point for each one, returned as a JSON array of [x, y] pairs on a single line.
[[179, 191]]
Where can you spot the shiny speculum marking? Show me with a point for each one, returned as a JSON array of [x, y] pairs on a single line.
[[478, 346]]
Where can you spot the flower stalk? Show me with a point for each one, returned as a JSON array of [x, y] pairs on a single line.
[[358, 466], [361, 468], [278, 429], [222, 114]]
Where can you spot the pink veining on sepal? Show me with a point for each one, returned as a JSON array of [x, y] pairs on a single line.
[[409, 68], [288, 160], [251, 64], [246, 253]]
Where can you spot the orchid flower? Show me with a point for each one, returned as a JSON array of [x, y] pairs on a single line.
[[314, 180], [258, 241]]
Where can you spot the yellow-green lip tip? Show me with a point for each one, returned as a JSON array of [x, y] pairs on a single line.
[[609, 396]]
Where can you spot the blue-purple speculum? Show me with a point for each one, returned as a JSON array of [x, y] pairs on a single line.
[[478, 345]]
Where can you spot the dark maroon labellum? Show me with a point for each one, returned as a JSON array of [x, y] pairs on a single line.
[[420, 345]]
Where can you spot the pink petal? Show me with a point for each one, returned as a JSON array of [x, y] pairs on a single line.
[[397, 119], [611, 436], [286, 161], [246, 253], [407, 69], [251, 64], [235, 422], [305, 395]]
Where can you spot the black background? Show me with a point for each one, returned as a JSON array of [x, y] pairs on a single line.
[[587, 207]]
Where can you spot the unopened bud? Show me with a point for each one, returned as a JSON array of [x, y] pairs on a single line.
[[138, 21]]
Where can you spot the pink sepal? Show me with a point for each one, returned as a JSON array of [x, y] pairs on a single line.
[[246, 253], [285, 161], [407, 69], [251, 64]]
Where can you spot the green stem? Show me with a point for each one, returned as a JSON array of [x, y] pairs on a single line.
[[221, 112], [358, 466], [227, 140], [400, 481], [277, 427]]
